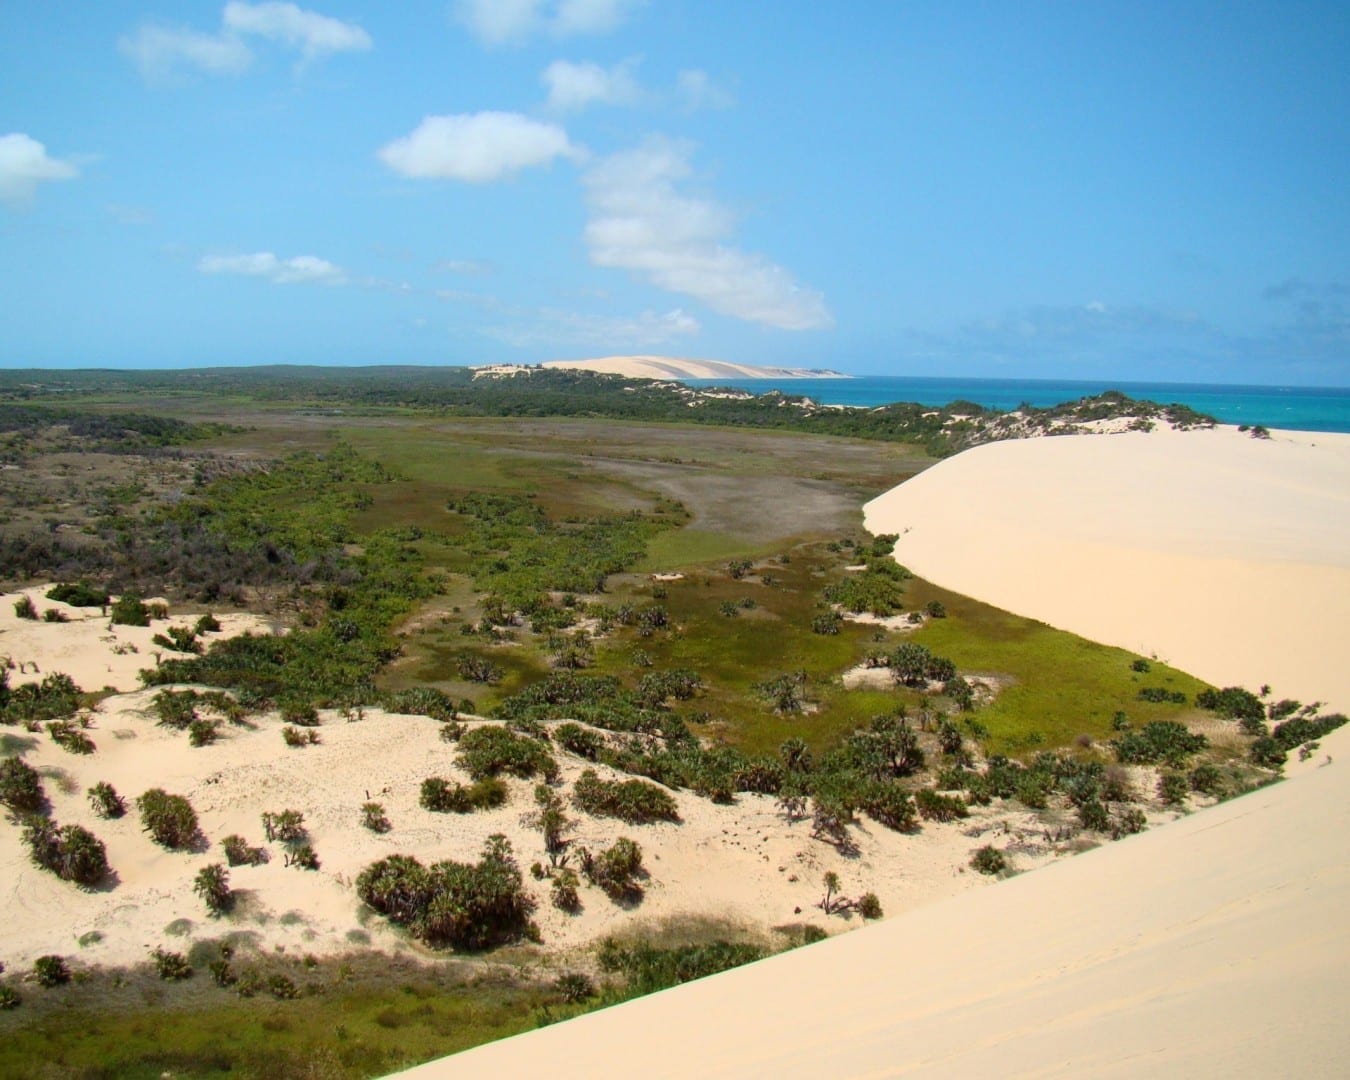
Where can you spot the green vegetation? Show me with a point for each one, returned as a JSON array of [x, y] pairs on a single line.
[[634, 801], [443, 797], [71, 852], [170, 819], [20, 786]]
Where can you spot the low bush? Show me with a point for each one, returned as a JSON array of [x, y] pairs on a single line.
[[934, 806], [20, 786], [1173, 788], [79, 594], [129, 610], [468, 906], [1207, 779], [616, 869], [373, 818], [238, 852], [170, 819], [212, 884], [634, 801], [576, 739], [171, 966], [648, 968], [288, 826], [71, 852], [105, 801], [443, 797], [24, 608], [563, 891], [1159, 741], [492, 750], [297, 738], [989, 860], [1232, 703], [51, 971]]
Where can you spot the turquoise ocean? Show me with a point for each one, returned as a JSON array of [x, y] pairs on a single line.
[[1298, 407]]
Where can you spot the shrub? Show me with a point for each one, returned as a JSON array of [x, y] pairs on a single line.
[[238, 852], [304, 856], [296, 738], [1207, 779], [989, 860], [492, 750], [1142, 666], [1268, 753], [178, 639], [1302, 729], [828, 624], [20, 787], [51, 971], [563, 891], [575, 739], [207, 624], [203, 732], [615, 870], [299, 712], [55, 616], [1172, 788], [24, 608], [212, 884], [1093, 816], [79, 594], [1159, 741], [71, 852], [443, 797], [175, 708], [935, 609], [649, 968], [288, 826], [634, 801], [129, 610], [889, 805], [423, 701], [105, 801], [934, 806], [468, 906], [1160, 694], [868, 906], [170, 819], [1128, 822], [171, 965], [1232, 703], [9, 999], [574, 988], [373, 818]]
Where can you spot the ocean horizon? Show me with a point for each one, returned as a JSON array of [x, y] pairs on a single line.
[[1305, 408]]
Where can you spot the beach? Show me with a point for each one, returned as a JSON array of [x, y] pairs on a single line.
[[1210, 946]]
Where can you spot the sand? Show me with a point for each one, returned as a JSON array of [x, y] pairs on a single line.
[[1224, 555], [742, 865], [667, 367], [1215, 945]]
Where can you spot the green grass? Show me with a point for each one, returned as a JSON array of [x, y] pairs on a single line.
[[681, 549], [1062, 685], [356, 1033]]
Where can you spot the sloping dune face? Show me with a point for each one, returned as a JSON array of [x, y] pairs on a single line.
[[1225, 555], [1213, 946]]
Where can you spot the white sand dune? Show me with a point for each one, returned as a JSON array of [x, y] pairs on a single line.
[[667, 367], [1224, 555], [1216, 945]]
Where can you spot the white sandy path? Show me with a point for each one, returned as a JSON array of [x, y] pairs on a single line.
[[1215, 946], [1224, 555]]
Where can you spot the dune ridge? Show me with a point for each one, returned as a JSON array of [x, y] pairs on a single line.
[[668, 367]]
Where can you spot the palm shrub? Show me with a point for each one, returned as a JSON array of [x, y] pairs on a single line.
[[296, 738], [207, 624], [303, 856], [24, 608], [615, 870], [868, 906], [171, 965], [634, 801], [888, 804], [239, 853], [170, 819], [175, 708], [443, 797], [51, 971], [70, 737], [575, 739], [563, 891], [71, 852], [105, 801], [129, 610], [468, 906], [78, 594], [373, 818], [1159, 741], [212, 884], [1207, 779], [934, 806], [1129, 821], [202, 732], [989, 860], [288, 826], [20, 787], [493, 750], [1172, 788]]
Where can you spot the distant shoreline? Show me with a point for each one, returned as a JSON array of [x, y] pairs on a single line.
[[668, 367]]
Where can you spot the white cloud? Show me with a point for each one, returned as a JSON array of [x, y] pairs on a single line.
[[504, 22], [553, 327], [25, 163], [696, 90], [299, 268], [476, 147], [313, 34], [574, 86], [641, 222], [159, 51], [467, 267]]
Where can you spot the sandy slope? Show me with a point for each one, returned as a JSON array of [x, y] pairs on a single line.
[[742, 863], [1215, 945], [1212, 947], [1224, 555], [666, 367]]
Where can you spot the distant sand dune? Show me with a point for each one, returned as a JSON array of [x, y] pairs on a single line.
[[666, 367]]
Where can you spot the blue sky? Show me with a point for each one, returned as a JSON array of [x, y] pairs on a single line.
[[1097, 190]]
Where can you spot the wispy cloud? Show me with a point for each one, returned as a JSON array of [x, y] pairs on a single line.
[[640, 221], [574, 86], [695, 89], [511, 22], [557, 328], [161, 52], [476, 147], [466, 267], [24, 164], [295, 270]]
